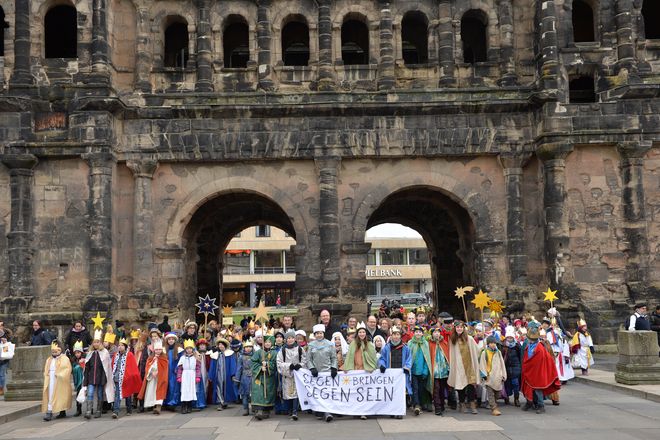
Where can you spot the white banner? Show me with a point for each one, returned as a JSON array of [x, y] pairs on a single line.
[[354, 393]]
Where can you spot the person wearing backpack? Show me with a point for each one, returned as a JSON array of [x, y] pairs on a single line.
[[639, 320], [289, 359]]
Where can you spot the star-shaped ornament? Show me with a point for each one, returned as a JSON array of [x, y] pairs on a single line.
[[98, 321], [260, 312], [550, 295], [480, 300], [461, 291], [346, 380], [227, 310], [495, 306], [206, 305]]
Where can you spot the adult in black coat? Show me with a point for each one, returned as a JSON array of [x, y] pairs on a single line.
[[164, 326], [330, 328], [512, 353], [40, 336], [77, 333]]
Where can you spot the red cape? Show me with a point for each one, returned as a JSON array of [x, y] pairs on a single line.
[[539, 373], [163, 372], [132, 382]]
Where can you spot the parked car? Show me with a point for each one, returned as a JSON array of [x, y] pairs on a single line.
[[414, 298]]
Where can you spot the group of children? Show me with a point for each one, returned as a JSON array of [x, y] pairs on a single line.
[[450, 362]]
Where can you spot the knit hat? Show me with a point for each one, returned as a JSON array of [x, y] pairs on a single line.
[[235, 344], [279, 333], [203, 341], [301, 333], [492, 340], [172, 335], [289, 334], [318, 328]]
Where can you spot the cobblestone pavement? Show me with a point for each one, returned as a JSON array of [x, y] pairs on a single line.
[[585, 413]]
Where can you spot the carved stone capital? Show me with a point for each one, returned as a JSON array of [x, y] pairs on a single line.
[[20, 161], [143, 167]]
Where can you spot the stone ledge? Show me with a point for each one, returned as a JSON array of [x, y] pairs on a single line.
[[10, 411], [605, 380]]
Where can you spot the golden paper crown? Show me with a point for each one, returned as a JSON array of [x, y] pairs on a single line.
[[135, 334], [78, 346], [189, 343], [581, 322], [54, 345], [98, 334], [123, 341]]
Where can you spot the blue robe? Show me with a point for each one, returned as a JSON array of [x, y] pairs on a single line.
[[244, 374], [173, 397], [231, 387], [201, 386], [406, 361]]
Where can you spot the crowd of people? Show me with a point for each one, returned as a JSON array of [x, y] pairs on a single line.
[[448, 363]]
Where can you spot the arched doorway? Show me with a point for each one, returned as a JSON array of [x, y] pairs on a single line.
[[209, 232], [448, 231]]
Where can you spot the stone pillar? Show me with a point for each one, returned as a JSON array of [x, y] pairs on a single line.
[[507, 60], [513, 164], [328, 170], [100, 223], [143, 52], [625, 45], [327, 79], [548, 64], [27, 369], [204, 81], [355, 255], [143, 261], [264, 67], [634, 214], [386, 80], [21, 246], [22, 46], [638, 358], [100, 70], [446, 44], [557, 250]]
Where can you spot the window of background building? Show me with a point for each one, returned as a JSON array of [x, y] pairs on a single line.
[[414, 37], [266, 262], [354, 42], [474, 36], [418, 256], [176, 43], [235, 42], [372, 288], [236, 262], [295, 43], [397, 287], [392, 257], [61, 32], [581, 89], [371, 257], [3, 25], [262, 231], [583, 22], [289, 262], [651, 16]]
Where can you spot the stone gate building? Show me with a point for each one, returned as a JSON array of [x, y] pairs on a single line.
[[519, 137]]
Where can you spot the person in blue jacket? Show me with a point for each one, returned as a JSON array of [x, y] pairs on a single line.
[[172, 349], [231, 361], [244, 376], [396, 354]]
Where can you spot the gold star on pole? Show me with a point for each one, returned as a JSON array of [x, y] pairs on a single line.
[[550, 295], [495, 306], [98, 321], [461, 291], [480, 300], [261, 312], [227, 310]]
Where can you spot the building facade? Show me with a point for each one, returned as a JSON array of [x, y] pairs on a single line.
[[520, 138]]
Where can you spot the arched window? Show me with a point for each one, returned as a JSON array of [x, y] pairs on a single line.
[[581, 89], [3, 25], [415, 38], [354, 42], [583, 22], [474, 36], [235, 42], [61, 32], [176, 43], [295, 43], [651, 15]]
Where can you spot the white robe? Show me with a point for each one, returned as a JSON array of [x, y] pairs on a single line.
[[152, 383], [583, 358], [188, 383], [51, 384]]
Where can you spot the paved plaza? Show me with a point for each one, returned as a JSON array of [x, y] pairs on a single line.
[[585, 413]]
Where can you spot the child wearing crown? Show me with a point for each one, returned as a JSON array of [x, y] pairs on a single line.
[[154, 384], [98, 375], [188, 375], [56, 396], [78, 368], [125, 376]]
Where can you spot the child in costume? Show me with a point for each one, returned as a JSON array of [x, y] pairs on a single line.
[[361, 354], [125, 376], [582, 347], [244, 376], [77, 371], [154, 385], [512, 354], [322, 357], [188, 375], [218, 371], [172, 351], [463, 366], [231, 362], [539, 374], [439, 351], [289, 359], [56, 396], [396, 354], [98, 376], [420, 377], [264, 380], [493, 372], [204, 364]]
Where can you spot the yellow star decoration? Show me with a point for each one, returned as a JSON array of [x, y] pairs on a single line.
[[346, 380], [461, 291], [98, 321], [227, 310], [550, 295], [495, 306], [261, 312], [480, 300]]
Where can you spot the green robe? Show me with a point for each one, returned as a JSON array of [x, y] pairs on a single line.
[[264, 383], [369, 357], [423, 345]]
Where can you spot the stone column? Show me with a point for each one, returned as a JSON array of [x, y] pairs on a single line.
[[327, 79], [264, 67], [100, 223], [507, 60], [22, 46], [100, 70], [446, 44], [328, 170], [204, 81], [386, 80], [513, 164], [21, 246], [634, 214], [557, 250], [143, 261], [143, 52], [625, 46], [548, 64]]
